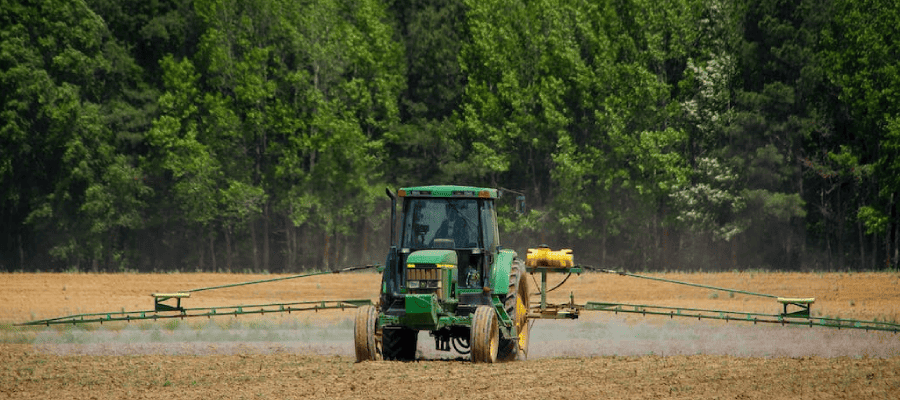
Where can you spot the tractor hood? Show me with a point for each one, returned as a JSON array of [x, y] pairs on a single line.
[[437, 257]]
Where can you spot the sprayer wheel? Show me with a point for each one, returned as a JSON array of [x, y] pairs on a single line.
[[399, 343], [485, 336], [516, 303], [365, 334]]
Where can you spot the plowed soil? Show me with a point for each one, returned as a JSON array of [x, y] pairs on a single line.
[[310, 355]]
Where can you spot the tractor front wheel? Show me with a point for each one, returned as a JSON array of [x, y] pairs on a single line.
[[365, 334], [485, 335]]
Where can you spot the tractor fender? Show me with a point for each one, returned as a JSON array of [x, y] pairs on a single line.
[[500, 271]]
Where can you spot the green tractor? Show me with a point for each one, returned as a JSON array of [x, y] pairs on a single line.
[[447, 274]]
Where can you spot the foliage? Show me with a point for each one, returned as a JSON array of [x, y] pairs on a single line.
[[666, 134]]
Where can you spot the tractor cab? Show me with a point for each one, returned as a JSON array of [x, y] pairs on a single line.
[[465, 225]]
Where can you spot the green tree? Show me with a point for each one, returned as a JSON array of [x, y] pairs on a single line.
[[860, 47], [65, 181], [343, 91], [564, 98], [432, 34], [747, 111], [295, 102], [194, 173]]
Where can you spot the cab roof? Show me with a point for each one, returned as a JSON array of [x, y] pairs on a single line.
[[448, 191]]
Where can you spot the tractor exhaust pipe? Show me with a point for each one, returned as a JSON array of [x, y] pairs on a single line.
[[393, 214]]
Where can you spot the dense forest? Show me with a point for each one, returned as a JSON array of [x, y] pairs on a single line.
[[260, 135]]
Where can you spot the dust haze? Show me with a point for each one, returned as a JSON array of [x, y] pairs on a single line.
[[600, 336]]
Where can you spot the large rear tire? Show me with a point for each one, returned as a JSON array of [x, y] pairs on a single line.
[[485, 335], [399, 343], [516, 303]]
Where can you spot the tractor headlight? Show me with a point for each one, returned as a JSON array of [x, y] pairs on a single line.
[[413, 284]]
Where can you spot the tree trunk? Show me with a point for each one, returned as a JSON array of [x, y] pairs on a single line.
[[228, 261], [887, 235], [288, 244], [265, 237], [887, 248], [862, 244], [21, 265], [255, 245], [364, 256], [345, 251], [896, 258], [894, 218], [325, 249], [200, 256], [734, 253], [827, 231], [603, 249], [874, 251], [534, 179], [840, 231], [656, 241], [212, 250]]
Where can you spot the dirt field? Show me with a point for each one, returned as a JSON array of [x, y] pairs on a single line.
[[311, 355]]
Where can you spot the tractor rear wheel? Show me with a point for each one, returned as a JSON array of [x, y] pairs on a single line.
[[516, 303], [485, 335], [365, 334], [399, 343]]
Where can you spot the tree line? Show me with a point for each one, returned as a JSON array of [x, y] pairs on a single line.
[[260, 135]]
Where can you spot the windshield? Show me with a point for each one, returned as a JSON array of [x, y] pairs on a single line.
[[441, 223]]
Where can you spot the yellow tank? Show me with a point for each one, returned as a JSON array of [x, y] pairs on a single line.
[[544, 257]]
